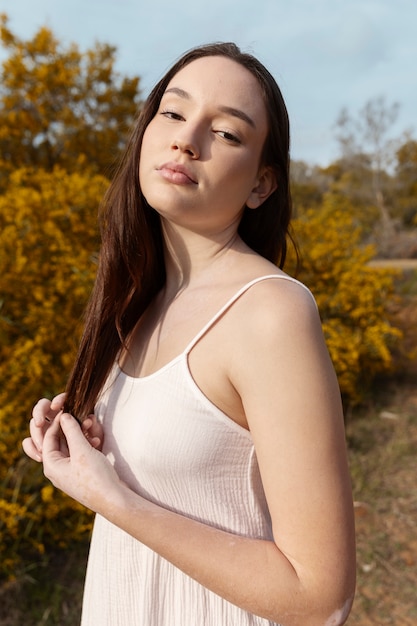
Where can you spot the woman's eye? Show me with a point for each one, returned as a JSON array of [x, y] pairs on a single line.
[[171, 115], [228, 136]]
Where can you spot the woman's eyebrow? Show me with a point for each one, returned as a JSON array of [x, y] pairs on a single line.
[[238, 113], [179, 92], [223, 108]]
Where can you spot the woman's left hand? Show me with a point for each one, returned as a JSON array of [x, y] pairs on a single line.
[[73, 465]]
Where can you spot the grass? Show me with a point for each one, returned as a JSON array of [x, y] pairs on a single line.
[[47, 593]]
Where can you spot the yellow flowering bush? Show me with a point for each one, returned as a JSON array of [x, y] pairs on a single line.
[[57, 102], [48, 248], [353, 298]]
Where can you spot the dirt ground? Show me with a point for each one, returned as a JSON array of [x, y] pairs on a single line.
[[383, 454]]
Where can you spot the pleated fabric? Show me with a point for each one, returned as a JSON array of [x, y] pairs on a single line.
[[171, 445]]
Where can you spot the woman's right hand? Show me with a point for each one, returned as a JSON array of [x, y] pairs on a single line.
[[43, 414]]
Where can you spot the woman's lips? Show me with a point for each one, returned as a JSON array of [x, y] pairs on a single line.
[[177, 173]]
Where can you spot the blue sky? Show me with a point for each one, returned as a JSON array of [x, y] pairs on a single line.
[[325, 54]]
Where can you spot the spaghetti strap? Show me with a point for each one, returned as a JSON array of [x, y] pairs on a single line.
[[233, 299]]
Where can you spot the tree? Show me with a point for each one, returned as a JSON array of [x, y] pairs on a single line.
[[59, 106], [406, 179], [308, 185], [365, 145]]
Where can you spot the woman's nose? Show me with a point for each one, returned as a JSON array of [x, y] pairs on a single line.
[[186, 141]]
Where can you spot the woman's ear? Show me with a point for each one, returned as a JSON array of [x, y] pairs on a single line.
[[265, 185]]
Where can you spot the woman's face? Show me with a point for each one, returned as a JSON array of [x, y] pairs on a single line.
[[200, 157]]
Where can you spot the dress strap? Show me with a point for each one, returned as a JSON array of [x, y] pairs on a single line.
[[233, 299]]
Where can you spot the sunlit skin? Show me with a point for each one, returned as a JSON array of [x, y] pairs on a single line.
[[266, 367]]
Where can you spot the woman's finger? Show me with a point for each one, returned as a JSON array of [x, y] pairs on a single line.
[[57, 403], [31, 450], [93, 431], [37, 434], [42, 411], [51, 441], [64, 425]]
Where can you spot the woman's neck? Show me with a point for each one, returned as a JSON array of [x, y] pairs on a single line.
[[192, 259]]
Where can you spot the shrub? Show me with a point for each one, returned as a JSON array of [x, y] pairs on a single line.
[[353, 298], [48, 244]]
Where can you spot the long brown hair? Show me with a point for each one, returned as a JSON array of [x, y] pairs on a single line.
[[131, 267]]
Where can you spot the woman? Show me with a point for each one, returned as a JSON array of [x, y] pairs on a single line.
[[221, 487]]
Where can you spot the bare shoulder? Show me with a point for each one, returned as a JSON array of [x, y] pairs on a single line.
[[278, 304], [279, 336]]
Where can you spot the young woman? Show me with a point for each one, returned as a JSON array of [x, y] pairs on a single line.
[[212, 442]]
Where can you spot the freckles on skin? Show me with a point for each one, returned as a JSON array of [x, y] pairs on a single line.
[[338, 617]]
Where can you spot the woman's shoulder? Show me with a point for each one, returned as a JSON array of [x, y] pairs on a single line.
[[276, 304], [277, 323], [263, 295], [276, 290], [279, 283], [262, 279]]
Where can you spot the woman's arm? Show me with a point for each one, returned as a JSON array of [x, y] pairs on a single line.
[[283, 373]]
